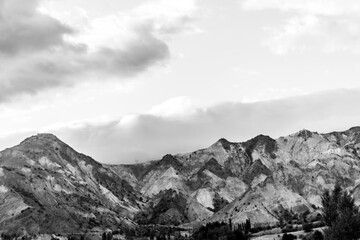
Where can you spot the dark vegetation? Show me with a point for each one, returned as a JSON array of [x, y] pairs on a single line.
[[307, 227], [158, 232], [341, 215], [226, 231], [288, 237], [140, 232], [317, 235]]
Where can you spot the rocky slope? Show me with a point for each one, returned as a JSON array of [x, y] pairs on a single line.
[[46, 186], [256, 179]]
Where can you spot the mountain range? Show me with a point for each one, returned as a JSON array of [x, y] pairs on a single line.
[[48, 187]]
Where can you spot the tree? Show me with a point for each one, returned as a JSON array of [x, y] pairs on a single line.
[[330, 204], [247, 225], [317, 235], [218, 231], [341, 215], [307, 227], [109, 236], [287, 215], [288, 237], [230, 224]]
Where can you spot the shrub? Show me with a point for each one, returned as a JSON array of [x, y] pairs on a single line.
[[317, 235], [318, 224], [307, 227], [287, 228], [288, 237]]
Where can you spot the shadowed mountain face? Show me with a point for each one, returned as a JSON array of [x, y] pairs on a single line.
[[46, 186]]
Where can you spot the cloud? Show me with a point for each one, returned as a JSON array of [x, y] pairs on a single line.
[[328, 25], [177, 107], [23, 29], [310, 33], [317, 7], [244, 71], [42, 49], [151, 135]]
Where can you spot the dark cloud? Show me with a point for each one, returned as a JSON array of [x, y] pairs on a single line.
[[23, 28], [150, 137], [35, 57], [138, 55], [68, 67]]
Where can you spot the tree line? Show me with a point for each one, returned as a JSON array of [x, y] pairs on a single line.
[[224, 231]]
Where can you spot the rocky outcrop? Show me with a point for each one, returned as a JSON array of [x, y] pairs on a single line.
[[286, 173], [48, 187]]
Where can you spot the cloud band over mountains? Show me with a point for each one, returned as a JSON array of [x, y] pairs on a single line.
[[44, 50], [150, 136]]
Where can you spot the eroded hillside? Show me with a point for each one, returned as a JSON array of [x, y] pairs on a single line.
[[48, 187], [256, 179]]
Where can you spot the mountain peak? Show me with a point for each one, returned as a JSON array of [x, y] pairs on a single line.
[[169, 160], [355, 129], [261, 140], [41, 138], [305, 134], [47, 180], [223, 140], [168, 157], [224, 143]]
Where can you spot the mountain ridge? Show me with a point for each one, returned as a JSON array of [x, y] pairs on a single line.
[[301, 165], [255, 179]]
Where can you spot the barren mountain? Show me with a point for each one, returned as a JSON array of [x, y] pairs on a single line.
[[46, 186], [259, 178]]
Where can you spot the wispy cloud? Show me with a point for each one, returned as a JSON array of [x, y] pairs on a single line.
[[317, 7], [325, 25]]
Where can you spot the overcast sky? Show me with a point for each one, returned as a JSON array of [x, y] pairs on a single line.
[[132, 80]]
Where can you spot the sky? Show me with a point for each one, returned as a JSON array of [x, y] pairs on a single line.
[[132, 80]]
